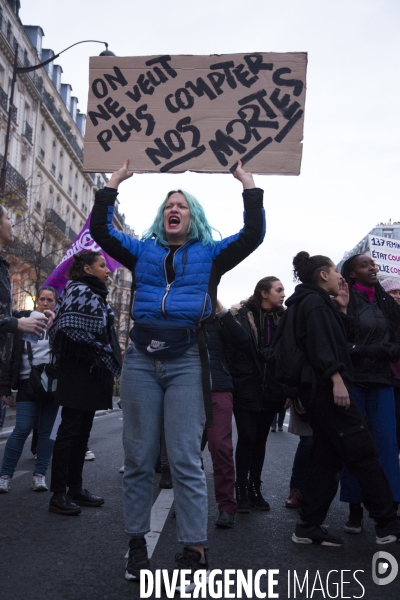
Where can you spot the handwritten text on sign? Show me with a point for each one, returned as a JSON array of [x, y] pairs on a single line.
[[386, 254], [198, 113]]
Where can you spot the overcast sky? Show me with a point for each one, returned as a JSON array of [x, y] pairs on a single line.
[[349, 178]]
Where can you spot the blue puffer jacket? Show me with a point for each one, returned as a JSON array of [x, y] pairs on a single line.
[[191, 297]]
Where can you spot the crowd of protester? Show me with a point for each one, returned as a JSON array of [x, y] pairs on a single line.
[[330, 354]]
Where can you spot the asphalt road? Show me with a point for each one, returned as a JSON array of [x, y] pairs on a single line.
[[46, 556]]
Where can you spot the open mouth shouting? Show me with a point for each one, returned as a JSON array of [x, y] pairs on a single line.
[[173, 221], [176, 218]]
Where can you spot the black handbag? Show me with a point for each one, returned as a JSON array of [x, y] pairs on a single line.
[[42, 381]]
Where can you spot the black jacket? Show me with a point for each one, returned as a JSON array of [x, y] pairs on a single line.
[[322, 336], [220, 332], [9, 376], [373, 345], [8, 317], [254, 386]]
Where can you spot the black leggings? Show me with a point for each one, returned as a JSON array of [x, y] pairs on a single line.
[[252, 428]]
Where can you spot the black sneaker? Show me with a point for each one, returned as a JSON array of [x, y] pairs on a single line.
[[190, 559], [137, 559], [308, 533], [165, 479], [85, 498], [388, 534], [225, 520], [62, 505], [355, 522]]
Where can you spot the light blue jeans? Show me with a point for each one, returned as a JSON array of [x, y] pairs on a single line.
[[26, 413], [157, 393]]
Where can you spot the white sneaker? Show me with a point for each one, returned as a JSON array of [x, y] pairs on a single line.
[[89, 455], [4, 484], [122, 469], [39, 483]]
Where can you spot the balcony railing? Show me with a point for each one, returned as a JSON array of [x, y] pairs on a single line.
[[4, 103], [63, 125], [56, 220], [3, 99], [28, 132], [15, 179]]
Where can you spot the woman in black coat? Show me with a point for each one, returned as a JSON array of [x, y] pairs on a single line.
[[324, 375], [88, 355], [257, 397]]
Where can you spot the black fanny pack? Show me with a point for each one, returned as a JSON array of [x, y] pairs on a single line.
[[164, 343]]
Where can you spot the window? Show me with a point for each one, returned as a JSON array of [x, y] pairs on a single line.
[[51, 198], [42, 141]]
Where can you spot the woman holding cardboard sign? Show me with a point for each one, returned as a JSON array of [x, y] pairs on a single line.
[[176, 268]]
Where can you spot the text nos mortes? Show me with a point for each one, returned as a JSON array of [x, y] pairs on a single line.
[[254, 114]]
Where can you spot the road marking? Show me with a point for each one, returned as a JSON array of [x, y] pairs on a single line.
[[159, 514]]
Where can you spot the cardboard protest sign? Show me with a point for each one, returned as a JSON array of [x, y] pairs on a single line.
[[386, 254], [197, 113]]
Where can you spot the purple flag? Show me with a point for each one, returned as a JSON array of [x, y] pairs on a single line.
[[84, 241]]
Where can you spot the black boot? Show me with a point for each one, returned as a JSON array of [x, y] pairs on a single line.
[[255, 496], [243, 504]]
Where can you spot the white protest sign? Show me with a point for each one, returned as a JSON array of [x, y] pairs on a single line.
[[386, 254], [198, 113]]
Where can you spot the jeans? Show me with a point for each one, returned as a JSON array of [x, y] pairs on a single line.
[[26, 413], [253, 429], [341, 436], [70, 449], [376, 404], [157, 393], [221, 450], [301, 462]]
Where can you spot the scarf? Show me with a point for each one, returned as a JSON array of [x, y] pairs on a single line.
[[370, 292], [84, 316]]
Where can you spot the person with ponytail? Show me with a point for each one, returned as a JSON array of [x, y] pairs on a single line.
[[374, 321], [88, 357], [341, 436], [257, 397]]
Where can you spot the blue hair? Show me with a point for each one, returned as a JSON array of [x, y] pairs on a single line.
[[199, 227]]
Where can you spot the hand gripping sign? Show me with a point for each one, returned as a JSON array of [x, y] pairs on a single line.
[[196, 113]]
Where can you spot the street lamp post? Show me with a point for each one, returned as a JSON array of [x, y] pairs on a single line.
[[18, 70]]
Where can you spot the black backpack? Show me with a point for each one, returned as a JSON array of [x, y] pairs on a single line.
[[285, 356]]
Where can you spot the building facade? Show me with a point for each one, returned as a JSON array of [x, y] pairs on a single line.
[[47, 192]]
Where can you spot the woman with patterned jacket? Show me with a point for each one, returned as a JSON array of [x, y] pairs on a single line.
[[176, 269], [88, 356]]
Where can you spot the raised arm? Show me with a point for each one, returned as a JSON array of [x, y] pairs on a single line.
[[118, 245], [232, 250]]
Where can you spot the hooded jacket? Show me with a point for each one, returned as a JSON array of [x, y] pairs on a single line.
[[322, 336]]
